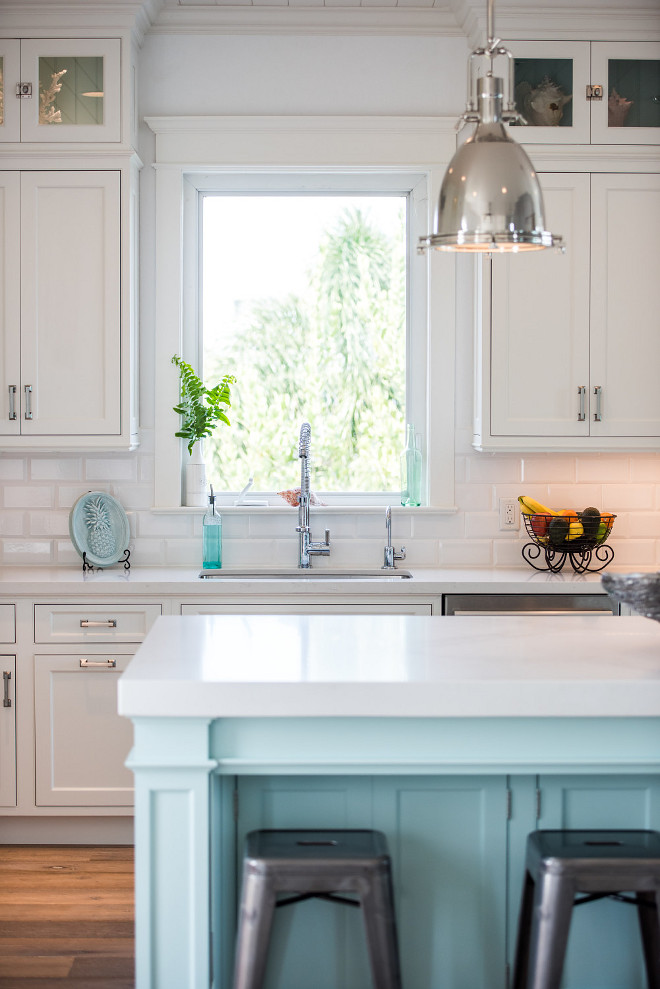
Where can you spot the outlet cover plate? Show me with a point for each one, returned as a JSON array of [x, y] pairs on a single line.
[[509, 514]]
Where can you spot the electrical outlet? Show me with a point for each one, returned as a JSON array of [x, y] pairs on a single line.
[[509, 517]]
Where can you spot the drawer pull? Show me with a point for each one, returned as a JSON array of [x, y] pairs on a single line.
[[6, 677], [105, 664], [108, 623]]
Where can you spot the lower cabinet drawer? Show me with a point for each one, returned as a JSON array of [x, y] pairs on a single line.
[[7, 623], [98, 623], [81, 740]]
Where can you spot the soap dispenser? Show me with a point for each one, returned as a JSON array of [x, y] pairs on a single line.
[[212, 536]]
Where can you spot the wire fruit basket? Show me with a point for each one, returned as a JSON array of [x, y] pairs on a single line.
[[578, 538]]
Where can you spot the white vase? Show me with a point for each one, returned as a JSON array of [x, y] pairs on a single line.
[[195, 477]]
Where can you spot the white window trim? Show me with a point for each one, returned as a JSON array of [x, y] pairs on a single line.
[[188, 147]]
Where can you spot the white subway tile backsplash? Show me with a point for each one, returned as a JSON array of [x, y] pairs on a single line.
[[548, 469], [27, 551], [53, 469], [483, 525], [465, 553], [111, 469], [164, 525], [633, 552], [12, 523], [65, 554], [474, 497], [436, 526], [34, 521], [28, 497], [183, 553], [577, 497], [508, 553], [639, 525], [134, 496], [628, 497], [494, 467], [599, 468], [12, 470], [68, 494], [48, 523], [645, 467]]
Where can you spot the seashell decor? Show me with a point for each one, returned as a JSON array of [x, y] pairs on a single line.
[[542, 105], [617, 109]]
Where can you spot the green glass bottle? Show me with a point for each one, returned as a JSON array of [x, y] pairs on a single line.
[[411, 470], [212, 536]]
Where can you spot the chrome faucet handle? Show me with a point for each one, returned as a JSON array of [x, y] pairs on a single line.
[[390, 555]]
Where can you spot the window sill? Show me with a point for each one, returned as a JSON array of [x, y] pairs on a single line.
[[290, 510]]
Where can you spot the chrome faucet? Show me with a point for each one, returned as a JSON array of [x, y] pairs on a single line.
[[307, 547], [390, 554]]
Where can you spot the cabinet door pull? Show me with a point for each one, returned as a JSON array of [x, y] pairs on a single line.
[[6, 677], [28, 401], [107, 623], [105, 664], [598, 414], [582, 393], [12, 401]]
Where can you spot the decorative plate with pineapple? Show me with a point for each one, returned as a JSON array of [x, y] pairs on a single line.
[[99, 529]]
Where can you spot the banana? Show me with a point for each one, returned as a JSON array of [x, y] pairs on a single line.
[[529, 506]]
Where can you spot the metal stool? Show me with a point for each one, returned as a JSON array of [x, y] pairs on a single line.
[[598, 863], [321, 864]]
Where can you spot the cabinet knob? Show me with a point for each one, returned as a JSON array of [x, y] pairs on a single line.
[[23, 90]]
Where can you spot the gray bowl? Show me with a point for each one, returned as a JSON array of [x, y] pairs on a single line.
[[640, 590]]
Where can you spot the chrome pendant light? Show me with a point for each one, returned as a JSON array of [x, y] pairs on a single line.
[[490, 198]]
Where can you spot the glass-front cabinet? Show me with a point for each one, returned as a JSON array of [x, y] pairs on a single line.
[[60, 91], [588, 92]]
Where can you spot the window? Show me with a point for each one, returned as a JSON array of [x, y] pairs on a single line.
[[304, 301], [353, 168]]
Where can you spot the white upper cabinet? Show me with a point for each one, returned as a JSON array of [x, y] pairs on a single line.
[[61, 91], [568, 346], [625, 303], [64, 359], [588, 92]]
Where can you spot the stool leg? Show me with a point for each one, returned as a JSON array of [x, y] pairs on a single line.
[[377, 902], [553, 906], [649, 922], [521, 963], [254, 927]]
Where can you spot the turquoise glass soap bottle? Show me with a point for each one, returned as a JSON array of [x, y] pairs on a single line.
[[411, 470], [212, 536]]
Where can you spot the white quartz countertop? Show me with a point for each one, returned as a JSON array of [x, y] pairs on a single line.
[[116, 582], [394, 666]]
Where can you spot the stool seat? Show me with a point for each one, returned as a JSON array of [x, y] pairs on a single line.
[[559, 865], [310, 863]]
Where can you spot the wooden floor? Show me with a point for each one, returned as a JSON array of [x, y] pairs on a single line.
[[66, 917]]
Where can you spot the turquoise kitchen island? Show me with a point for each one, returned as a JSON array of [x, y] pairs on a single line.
[[454, 737]]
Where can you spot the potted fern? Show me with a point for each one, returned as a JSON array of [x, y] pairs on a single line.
[[201, 409]]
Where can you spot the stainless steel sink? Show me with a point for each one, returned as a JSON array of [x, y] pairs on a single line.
[[290, 574]]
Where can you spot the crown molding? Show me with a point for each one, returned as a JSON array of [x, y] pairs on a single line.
[[583, 20], [78, 18], [288, 20]]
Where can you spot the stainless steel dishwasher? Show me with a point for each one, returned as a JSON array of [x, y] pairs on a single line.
[[528, 604]]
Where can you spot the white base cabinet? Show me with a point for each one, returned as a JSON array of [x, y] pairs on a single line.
[[8, 732], [567, 355], [81, 743]]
